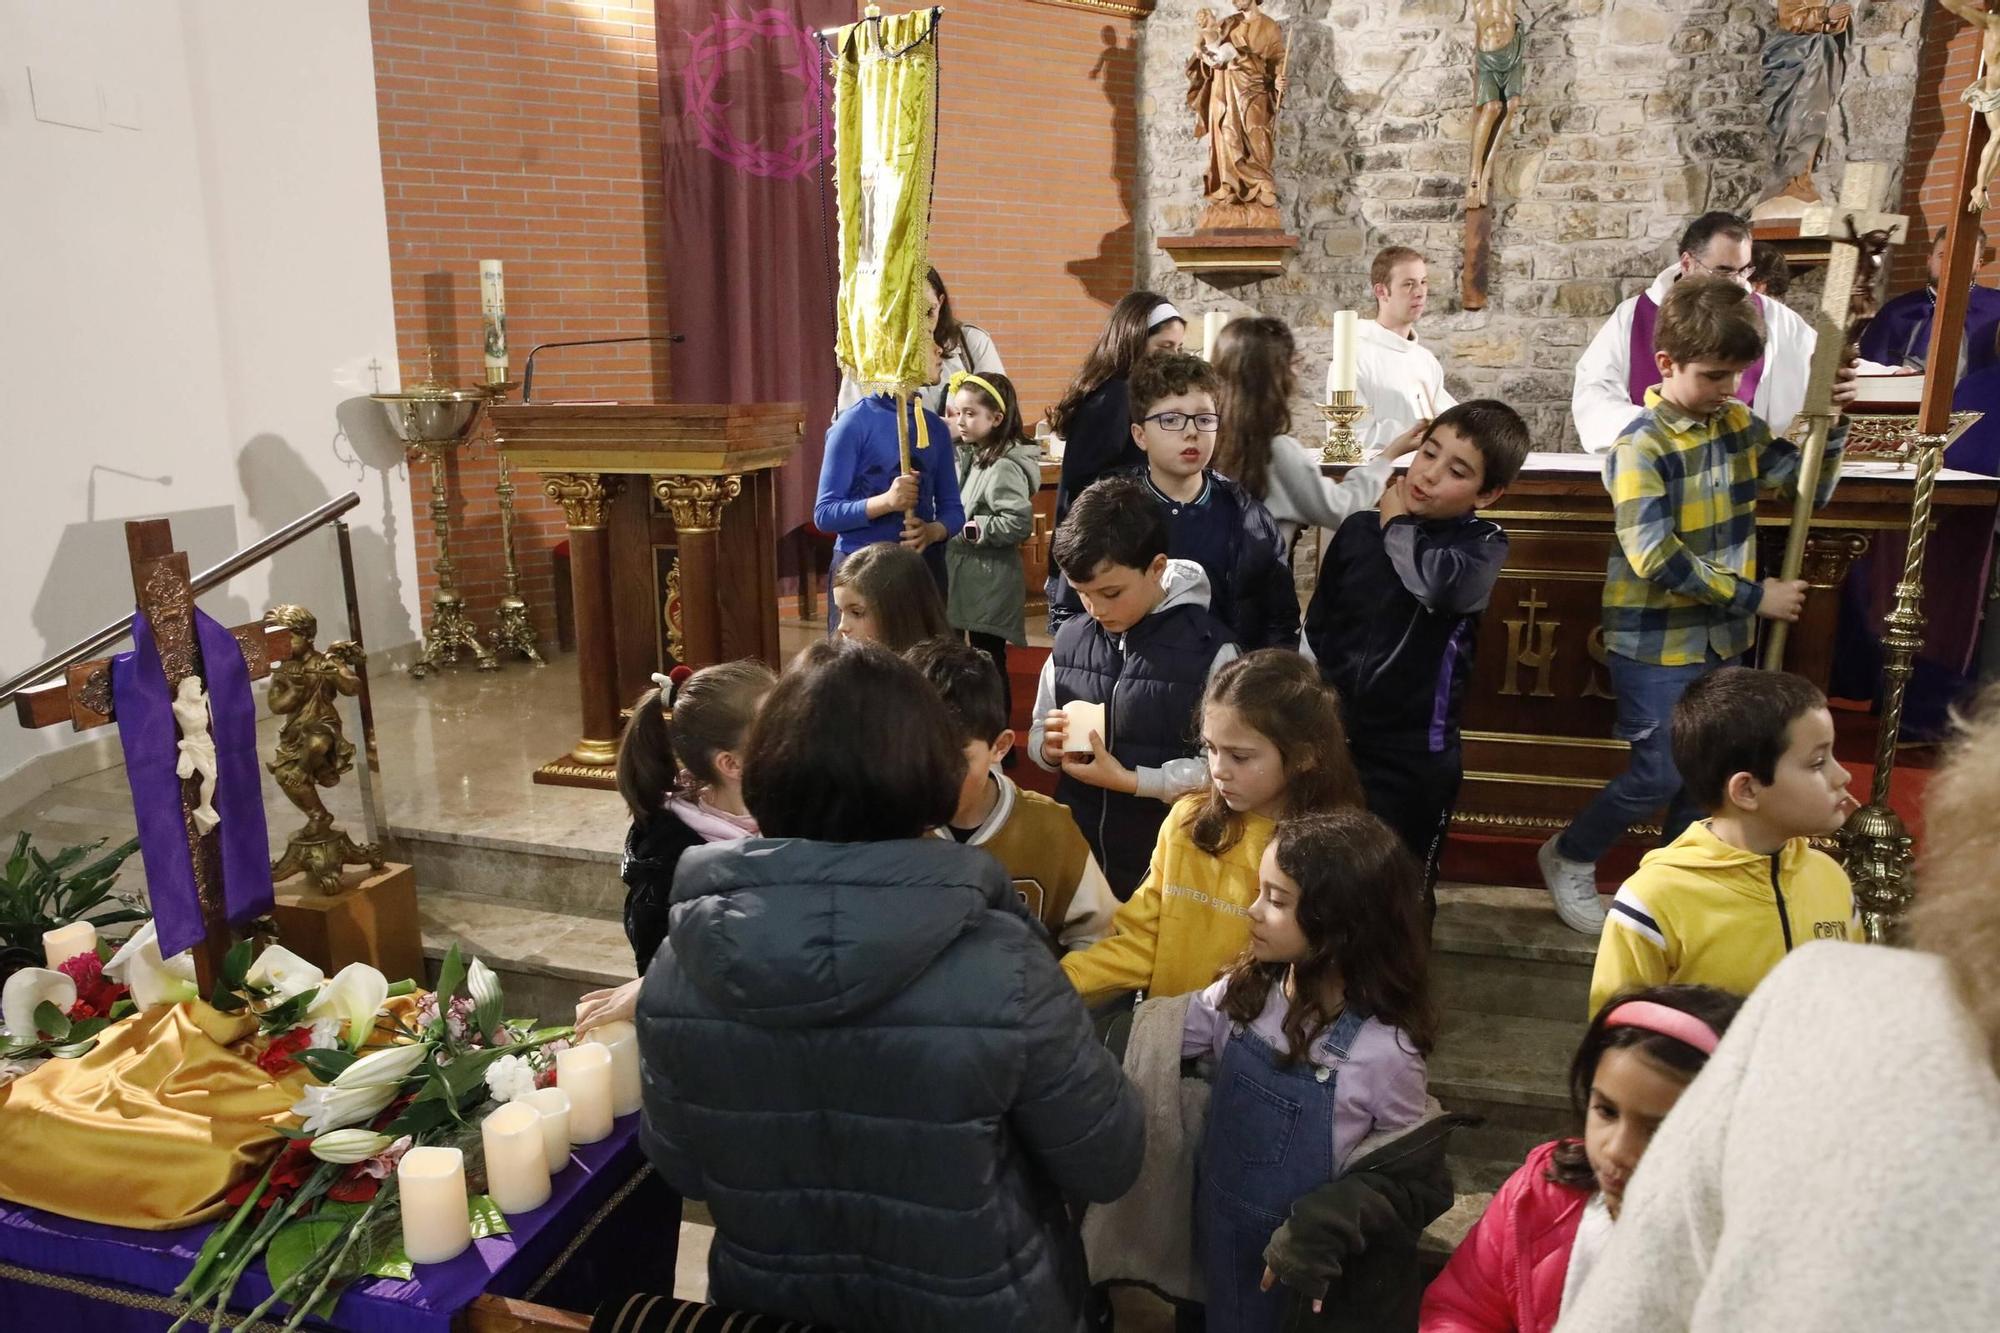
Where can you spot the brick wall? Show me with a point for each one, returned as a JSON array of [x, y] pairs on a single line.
[[525, 131], [1938, 124], [1031, 224]]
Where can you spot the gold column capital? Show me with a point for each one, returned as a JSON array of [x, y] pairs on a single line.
[[582, 495], [696, 503]]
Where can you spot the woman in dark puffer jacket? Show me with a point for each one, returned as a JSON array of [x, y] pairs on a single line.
[[858, 1048]]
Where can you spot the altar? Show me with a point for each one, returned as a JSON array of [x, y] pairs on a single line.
[[1539, 708]]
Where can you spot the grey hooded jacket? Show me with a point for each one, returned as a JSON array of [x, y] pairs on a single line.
[[864, 1057]]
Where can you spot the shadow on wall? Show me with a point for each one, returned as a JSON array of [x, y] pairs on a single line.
[[1106, 275], [279, 485], [90, 580]]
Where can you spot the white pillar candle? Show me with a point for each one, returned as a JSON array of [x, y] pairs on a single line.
[[431, 1187], [493, 314], [1211, 329], [622, 1040], [1340, 375], [66, 942], [552, 1105], [517, 1165], [584, 1072]]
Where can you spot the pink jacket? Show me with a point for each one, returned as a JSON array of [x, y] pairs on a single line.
[[1507, 1274]]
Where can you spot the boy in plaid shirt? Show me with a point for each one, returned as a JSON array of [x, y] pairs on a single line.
[[1681, 588]]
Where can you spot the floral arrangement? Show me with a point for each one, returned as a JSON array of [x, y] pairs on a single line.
[[39, 893], [324, 1212]]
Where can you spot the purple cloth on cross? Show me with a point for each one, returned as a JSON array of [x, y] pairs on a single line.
[[1644, 372], [150, 737]]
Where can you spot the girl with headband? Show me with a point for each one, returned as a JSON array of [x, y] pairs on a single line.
[[682, 779], [999, 471], [1526, 1258]]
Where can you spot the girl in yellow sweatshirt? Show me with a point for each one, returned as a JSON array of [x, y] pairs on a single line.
[[1275, 749]]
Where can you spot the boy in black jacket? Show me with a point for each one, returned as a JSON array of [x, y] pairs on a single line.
[[1393, 620], [1211, 520]]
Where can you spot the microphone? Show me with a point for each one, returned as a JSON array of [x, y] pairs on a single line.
[[528, 370]]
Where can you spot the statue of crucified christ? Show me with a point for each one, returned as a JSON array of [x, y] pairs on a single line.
[[1983, 96]]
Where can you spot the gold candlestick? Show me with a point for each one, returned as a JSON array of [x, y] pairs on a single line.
[[513, 632], [1341, 414]]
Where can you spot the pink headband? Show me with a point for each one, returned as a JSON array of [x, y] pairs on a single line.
[[1651, 1016]]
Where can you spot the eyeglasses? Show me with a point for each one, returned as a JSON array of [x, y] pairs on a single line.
[[1205, 422], [1743, 271]]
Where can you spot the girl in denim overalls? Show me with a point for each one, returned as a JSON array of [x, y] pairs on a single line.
[[1337, 968]]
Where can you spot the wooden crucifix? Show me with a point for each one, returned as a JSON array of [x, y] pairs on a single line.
[[1860, 236], [84, 699]]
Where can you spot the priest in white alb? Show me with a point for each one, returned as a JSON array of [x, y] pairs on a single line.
[[1617, 368], [1399, 381]]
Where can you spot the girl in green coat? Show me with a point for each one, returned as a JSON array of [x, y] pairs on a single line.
[[999, 471]]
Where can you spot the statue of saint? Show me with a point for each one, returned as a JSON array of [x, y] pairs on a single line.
[[1499, 41], [1805, 64], [312, 751], [1983, 95], [1236, 83]]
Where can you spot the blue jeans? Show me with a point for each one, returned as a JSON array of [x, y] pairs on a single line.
[[1647, 694]]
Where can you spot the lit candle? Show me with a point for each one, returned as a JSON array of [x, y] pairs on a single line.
[[584, 1072], [622, 1040], [517, 1165], [1211, 329], [1340, 375], [493, 318], [552, 1104], [66, 942], [436, 1222]]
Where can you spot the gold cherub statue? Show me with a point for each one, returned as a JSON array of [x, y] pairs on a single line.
[[312, 752]]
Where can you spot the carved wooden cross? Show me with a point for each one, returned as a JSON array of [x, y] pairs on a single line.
[[160, 587], [1859, 232]]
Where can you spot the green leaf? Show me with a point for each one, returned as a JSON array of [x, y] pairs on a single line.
[[50, 1019], [87, 1027], [236, 965], [419, 1118], [451, 975], [73, 1050], [298, 1244], [326, 1065], [123, 1009], [227, 1000]]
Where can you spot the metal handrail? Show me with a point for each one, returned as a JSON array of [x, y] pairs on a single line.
[[221, 571]]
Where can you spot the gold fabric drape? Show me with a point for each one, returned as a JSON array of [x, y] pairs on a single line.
[[885, 145], [152, 1128]]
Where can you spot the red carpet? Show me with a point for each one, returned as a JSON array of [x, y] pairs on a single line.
[[1485, 859]]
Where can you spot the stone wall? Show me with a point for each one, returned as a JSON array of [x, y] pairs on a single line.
[[1637, 116]]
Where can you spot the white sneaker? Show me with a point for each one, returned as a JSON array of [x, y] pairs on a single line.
[[1573, 884]]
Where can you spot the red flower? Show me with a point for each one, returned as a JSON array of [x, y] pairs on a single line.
[[81, 1010], [95, 992], [353, 1187], [277, 1057], [290, 1171]]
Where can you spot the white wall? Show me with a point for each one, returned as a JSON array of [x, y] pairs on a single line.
[[193, 284]]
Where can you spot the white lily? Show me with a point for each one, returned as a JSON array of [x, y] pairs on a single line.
[[151, 979], [280, 970], [484, 987], [348, 1146], [324, 1107], [354, 996], [391, 1065], [25, 992]]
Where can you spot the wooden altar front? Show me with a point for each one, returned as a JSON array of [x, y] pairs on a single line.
[[672, 515], [1539, 708]]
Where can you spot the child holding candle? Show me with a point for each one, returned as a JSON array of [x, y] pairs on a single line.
[[859, 1050], [1256, 371]]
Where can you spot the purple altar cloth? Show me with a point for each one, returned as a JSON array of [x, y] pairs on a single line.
[[146, 1265]]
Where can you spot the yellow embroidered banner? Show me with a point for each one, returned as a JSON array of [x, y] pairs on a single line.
[[885, 146]]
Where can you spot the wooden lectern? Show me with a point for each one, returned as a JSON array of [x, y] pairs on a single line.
[[673, 518]]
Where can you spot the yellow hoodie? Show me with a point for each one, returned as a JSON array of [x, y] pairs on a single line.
[[1699, 911], [1188, 919]]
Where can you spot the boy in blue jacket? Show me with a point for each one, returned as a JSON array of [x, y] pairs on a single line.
[[1396, 613]]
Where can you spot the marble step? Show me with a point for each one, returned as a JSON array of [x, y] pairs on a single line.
[[545, 959], [1512, 1073], [1503, 951]]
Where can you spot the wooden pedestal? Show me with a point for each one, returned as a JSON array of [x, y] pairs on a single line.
[[373, 919]]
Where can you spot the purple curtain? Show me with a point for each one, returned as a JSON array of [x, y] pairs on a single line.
[[747, 140]]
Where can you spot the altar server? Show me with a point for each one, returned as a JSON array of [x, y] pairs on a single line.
[[1400, 381]]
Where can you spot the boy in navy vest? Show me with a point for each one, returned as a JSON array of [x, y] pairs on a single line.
[[1393, 620], [1210, 519], [1143, 647]]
